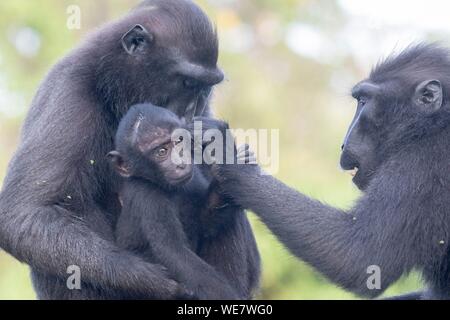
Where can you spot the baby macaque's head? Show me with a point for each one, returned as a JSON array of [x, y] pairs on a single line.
[[146, 147]]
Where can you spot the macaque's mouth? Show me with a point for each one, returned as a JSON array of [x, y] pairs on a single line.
[[181, 180], [353, 172]]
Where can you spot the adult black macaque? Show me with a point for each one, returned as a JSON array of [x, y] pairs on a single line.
[[59, 203], [398, 147], [166, 199]]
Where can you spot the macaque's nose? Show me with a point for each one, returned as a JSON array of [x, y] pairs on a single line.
[[217, 77], [181, 166]]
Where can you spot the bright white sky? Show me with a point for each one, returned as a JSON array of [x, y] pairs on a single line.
[[386, 25], [373, 29], [429, 15]]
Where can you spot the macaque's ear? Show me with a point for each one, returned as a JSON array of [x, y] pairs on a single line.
[[428, 95], [117, 161], [136, 38]]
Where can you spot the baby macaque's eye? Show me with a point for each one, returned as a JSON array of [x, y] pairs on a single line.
[[162, 152]]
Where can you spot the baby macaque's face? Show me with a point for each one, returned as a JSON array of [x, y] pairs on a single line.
[[167, 159], [148, 148], [156, 158]]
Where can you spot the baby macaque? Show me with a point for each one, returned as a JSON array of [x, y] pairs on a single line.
[[168, 202]]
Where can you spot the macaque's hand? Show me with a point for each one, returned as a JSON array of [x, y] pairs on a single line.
[[210, 123], [229, 174], [185, 293], [221, 132], [245, 155], [207, 124]]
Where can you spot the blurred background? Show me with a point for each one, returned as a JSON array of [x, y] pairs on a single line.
[[289, 65]]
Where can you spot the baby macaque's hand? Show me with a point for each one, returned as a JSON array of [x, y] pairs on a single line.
[[220, 211]]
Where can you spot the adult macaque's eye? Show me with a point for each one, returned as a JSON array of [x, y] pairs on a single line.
[[362, 101]]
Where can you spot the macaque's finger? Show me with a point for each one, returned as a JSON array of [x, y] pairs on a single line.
[[250, 160], [247, 160], [245, 155], [243, 147]]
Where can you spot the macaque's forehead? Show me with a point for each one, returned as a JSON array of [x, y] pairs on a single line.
[[150, 137], [186, 29]]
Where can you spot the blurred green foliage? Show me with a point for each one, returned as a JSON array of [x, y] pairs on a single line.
[[268, 86]]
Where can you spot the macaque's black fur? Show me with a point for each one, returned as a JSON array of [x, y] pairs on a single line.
[[162, 221], [59, 202], [400, 141]]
